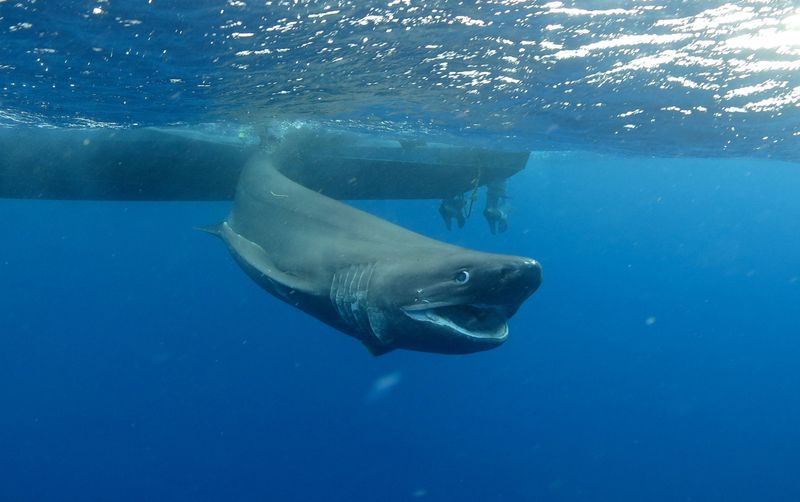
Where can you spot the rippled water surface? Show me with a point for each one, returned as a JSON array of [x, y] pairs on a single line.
[[659, 76]]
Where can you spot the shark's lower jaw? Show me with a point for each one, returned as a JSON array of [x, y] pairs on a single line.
[[484, 322]]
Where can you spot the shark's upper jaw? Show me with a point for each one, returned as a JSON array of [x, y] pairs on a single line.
[[477, 321]]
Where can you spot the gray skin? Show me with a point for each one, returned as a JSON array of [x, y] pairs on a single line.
[[380, 283]]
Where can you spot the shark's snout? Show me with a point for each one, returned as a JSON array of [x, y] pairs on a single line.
[[516, 280], [530, 274]]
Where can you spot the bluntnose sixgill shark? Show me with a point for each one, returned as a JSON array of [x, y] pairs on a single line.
[[386, 286]]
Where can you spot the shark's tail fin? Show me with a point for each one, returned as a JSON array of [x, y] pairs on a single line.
[[211, 229]]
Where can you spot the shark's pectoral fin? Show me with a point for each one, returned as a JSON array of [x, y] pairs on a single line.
[[377, 323], [375, 348], [251, 255]]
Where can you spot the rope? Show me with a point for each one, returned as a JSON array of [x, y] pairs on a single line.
[[473, 198]]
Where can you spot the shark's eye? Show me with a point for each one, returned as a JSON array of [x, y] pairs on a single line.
[[462, 277]]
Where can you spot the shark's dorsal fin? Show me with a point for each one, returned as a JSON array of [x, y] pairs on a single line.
[[215, 229]]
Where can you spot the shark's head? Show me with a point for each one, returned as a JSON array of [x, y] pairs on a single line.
[[453, 303]]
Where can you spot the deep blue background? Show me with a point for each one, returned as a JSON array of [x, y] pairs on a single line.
[[137, 362]]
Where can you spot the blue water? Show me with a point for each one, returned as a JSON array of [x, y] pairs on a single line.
[[658, 361]]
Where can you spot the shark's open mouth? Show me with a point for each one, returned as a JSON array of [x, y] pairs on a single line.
[[476, 321]]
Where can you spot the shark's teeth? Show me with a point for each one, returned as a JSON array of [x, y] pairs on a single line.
[[440, 317]]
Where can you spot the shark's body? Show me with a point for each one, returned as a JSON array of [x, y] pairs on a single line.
[[384, 285]]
